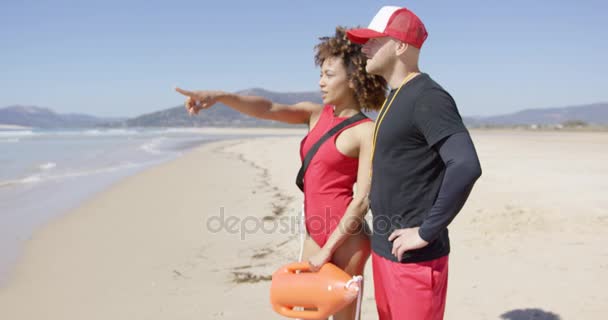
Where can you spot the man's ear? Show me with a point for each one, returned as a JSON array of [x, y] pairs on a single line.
[[401, 48]]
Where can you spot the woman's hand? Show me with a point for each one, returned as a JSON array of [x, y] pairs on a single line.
[[319, 259], [198, 100]]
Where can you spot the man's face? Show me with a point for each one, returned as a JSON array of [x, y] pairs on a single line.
[[380, 54]]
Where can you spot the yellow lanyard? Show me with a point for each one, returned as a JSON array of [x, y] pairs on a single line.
[[383, 113]]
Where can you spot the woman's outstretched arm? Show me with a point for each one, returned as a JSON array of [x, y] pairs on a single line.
[[254, 106]]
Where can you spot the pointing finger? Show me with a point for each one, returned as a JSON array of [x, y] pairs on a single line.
[[184, 92]]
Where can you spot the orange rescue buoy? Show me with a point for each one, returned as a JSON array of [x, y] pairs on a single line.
[[297, 292]]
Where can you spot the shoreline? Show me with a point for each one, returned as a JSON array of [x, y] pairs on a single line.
[[28, 223]]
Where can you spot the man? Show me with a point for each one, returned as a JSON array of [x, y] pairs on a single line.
[[424, 166]]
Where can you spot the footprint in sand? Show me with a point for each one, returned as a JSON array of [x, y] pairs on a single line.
[[248, 277], [262, 253]]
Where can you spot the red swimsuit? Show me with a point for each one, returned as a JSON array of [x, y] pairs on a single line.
[[329, 179]]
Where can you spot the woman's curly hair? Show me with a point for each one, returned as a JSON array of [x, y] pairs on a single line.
[[370, 90]]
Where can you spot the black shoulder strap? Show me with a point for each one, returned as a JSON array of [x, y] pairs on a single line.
[[311, 153]]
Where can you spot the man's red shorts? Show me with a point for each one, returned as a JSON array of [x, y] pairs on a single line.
[[410, 291]]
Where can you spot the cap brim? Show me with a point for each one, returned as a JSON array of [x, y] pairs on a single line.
[[361, 36]]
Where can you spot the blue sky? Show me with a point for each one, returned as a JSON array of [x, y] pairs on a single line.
[[122, 58]]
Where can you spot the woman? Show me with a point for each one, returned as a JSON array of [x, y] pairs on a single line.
[[333, 214]]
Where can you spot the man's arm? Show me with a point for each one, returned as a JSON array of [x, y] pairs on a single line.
[[462, 170]]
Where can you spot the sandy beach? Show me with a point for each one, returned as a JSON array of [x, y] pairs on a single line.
[[199, 237]]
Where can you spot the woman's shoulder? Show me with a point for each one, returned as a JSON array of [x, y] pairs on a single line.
[[366, 126], [364, 130], [361, 131]]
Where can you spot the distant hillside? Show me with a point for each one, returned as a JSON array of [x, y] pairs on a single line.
[[37, 117], [220, 115], [596, 113]]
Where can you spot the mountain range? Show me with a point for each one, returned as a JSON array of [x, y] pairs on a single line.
[[596, 113], [221, 116], [37, 117]]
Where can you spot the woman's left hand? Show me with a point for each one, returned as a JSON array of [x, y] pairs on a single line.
[[319, 259]]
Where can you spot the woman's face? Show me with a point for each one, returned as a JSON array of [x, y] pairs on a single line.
[[334, 82]]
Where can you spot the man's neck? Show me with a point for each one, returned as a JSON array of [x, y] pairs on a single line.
[[395, 78]]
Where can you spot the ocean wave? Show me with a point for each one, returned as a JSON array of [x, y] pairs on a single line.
[[47, 166], [110, 132], [32, 179], [44, 133], [40, 177], [182, 130], [16, 133], [27, 180], [152, 147], [69, 133]]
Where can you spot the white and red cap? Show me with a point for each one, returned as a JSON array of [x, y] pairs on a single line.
[[396, 22]]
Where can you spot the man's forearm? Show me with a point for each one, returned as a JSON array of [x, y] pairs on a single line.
[[462, 170]]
